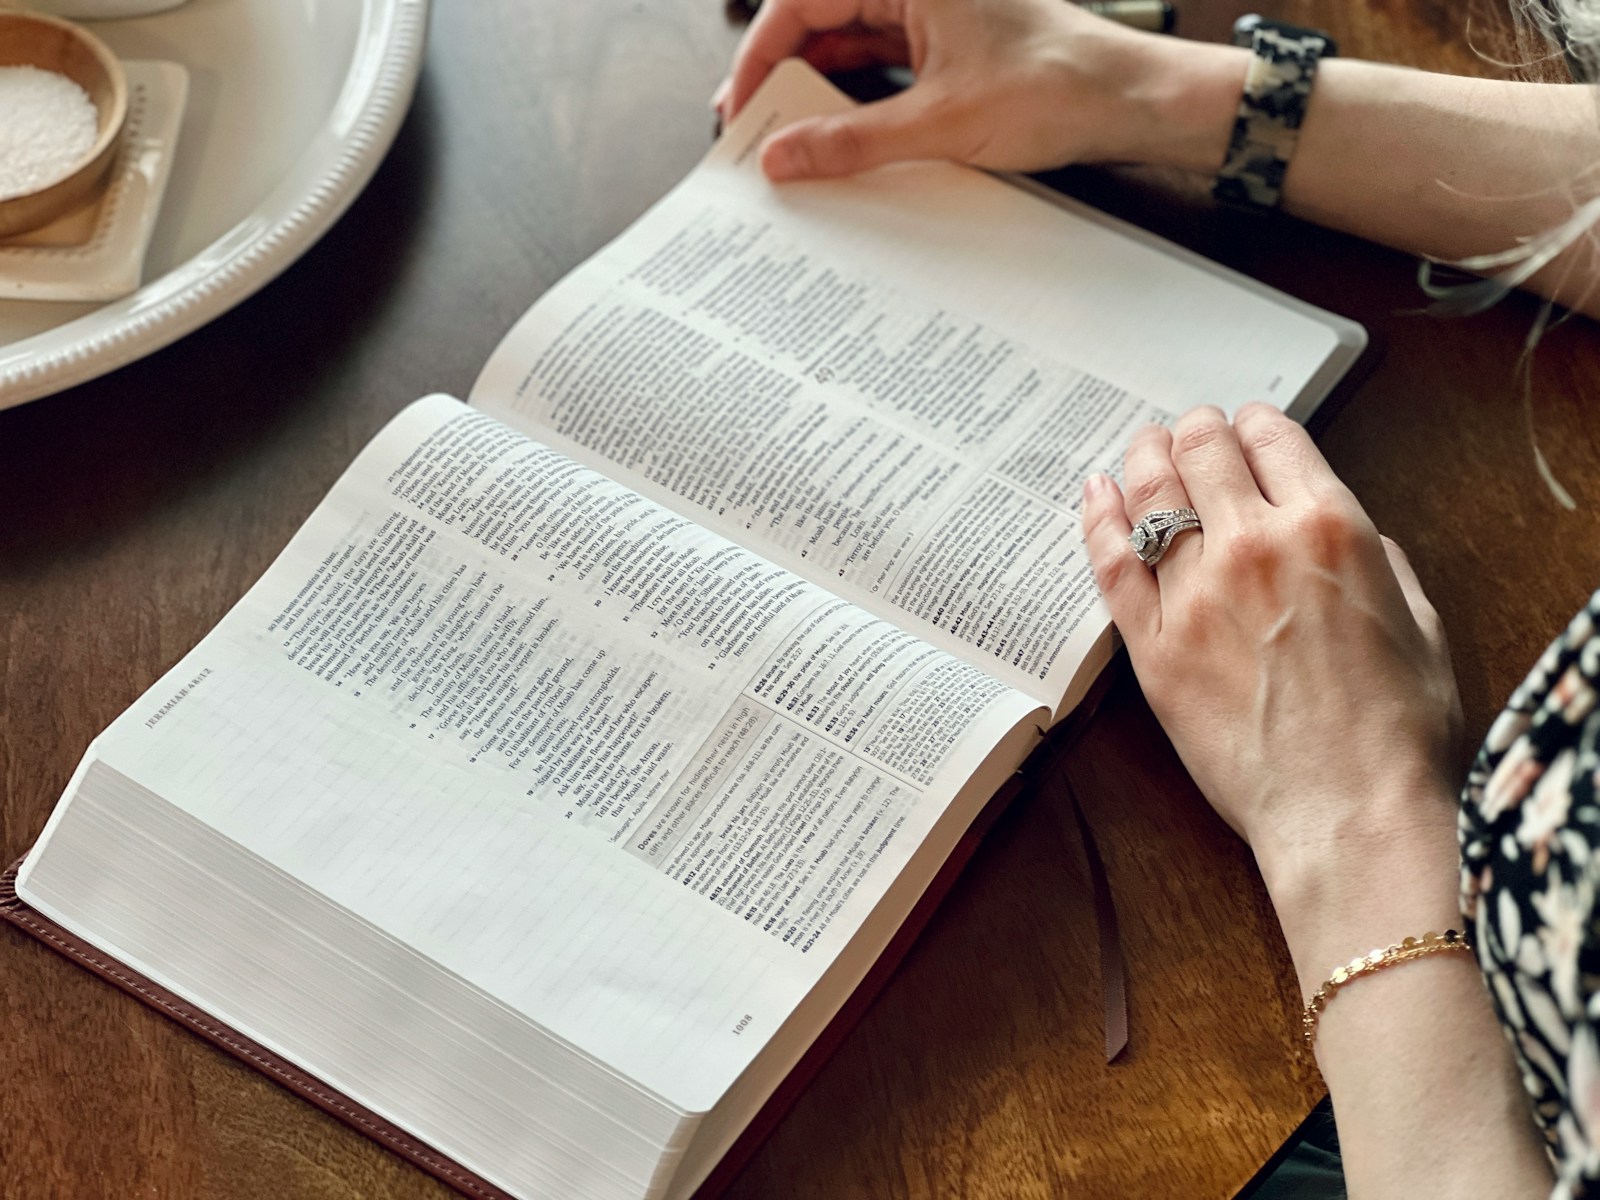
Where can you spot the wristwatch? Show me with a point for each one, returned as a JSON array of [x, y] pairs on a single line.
[[1283, 64]]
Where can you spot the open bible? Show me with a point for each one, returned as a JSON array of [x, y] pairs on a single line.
[[582, 752]]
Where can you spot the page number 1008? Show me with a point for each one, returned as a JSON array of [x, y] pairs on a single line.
[[741, 1024]]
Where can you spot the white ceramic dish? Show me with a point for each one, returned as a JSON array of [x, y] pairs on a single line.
[[96, 251], [291, 108], [99, 10]]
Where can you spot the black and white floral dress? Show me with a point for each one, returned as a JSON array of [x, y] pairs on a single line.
[[1530, 827]]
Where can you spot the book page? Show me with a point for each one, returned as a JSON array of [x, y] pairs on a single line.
[[630, 779], [894, 384]]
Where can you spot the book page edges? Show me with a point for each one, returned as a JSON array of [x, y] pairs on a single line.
[[694, 1148], [138, 886], [201, 1023]]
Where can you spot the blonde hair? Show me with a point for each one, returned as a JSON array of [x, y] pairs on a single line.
[[1571, 27], [1555, 41], [1552, 41]]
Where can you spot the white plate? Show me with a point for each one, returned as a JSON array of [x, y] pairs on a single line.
[[291, 108]]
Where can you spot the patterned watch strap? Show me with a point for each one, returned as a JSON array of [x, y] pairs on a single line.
[[1282, 65]]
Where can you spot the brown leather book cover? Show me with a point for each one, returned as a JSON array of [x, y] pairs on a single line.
[[17, 913]]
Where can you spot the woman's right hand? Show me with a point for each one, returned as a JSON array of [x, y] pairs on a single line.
[[1016, 85]]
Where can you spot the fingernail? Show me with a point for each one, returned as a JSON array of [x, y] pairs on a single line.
[[1095, 484], [721, 94], [782, 160]]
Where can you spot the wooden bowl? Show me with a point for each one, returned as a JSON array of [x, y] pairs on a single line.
[[31, 40]]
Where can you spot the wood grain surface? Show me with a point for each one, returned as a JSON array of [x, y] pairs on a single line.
[[135, 510]]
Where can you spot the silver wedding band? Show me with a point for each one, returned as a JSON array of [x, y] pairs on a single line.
[[1154, 532]]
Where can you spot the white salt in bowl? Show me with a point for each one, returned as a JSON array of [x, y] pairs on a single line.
[[31, 40]]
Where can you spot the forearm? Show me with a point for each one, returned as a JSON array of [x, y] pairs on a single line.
[[1438, 165], [1424, 1088], [1449, 166], [1445, 166]]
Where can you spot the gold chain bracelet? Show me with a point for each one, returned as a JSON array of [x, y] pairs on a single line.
[[1405, 951]]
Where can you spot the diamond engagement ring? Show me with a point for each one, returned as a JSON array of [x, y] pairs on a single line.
[[1155, 531]]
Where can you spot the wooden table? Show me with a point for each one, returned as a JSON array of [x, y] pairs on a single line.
[[137, 509]]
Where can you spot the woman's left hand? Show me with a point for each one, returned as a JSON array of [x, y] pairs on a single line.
[[1286, 648], [1303, 678]]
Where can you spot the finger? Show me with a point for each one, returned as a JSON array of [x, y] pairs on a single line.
[[779, 30], [1151, 484], [855, 48], [900, 128], [1286, 463], [1127, 584], [1206, 452]]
